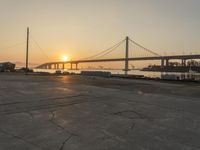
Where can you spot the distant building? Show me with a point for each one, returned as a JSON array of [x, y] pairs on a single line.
[[7, 66]]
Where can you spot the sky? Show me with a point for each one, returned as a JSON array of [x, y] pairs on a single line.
[[80, 28]]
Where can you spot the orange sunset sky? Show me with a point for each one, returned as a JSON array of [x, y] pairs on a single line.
[[80, 28]]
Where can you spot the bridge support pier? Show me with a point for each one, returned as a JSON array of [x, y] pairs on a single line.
[[49, 66], [183, 62], [167, 62], [162, 63], [63, 66], [56, 66], [76, 66], [71, 66]]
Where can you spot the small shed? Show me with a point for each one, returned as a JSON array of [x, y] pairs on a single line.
[[7, 67]]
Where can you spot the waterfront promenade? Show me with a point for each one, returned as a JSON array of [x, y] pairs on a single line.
[[91, 113]]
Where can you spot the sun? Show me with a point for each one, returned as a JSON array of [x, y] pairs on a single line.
[[65, 58]]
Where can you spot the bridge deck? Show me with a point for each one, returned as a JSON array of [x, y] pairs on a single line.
[[185, 57]]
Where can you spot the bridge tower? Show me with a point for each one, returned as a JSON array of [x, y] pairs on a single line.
[[126, 68]]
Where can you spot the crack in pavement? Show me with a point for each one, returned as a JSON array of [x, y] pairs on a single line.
[[51, 104], [22, 139], [52, 120], [30, 114], [132, 126], [61, 127], [65, 141], [129, 116], [112, 136], [43, 99], [162, 106]]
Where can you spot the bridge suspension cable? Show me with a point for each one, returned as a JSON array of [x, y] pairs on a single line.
[[111, 50], [146, 49], [13, 45], [114, 47], [105, 52], [36, 43]]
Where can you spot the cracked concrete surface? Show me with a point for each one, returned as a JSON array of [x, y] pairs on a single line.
[[73, 113]]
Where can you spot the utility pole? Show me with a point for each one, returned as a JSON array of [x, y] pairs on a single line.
[[27, 47], [126, 69]]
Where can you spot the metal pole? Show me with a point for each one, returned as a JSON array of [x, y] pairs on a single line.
[[27, 47], [126, 69]]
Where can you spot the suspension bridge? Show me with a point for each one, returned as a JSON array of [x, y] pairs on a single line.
[[139, 53]]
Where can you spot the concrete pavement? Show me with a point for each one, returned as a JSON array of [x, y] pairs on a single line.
[[85, 113]]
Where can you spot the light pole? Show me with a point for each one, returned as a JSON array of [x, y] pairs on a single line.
[[27, 48]]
